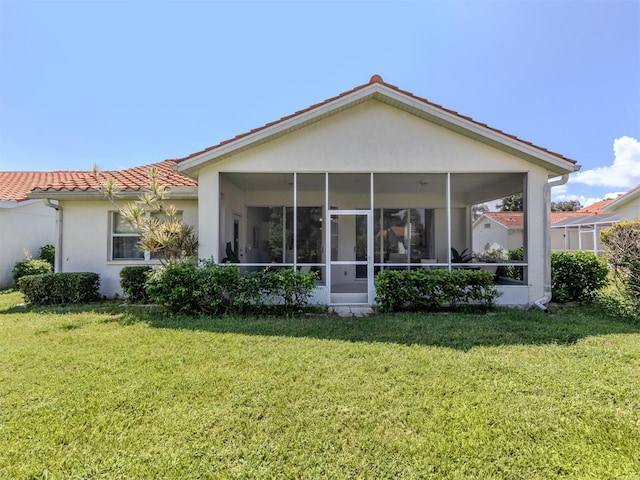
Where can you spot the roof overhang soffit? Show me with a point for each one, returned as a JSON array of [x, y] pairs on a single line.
[[397, 99]]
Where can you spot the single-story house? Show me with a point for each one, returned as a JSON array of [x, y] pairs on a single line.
[[627, 205], [26, 224], [578, 230], [313, 190], [504, 229], [582, 231]]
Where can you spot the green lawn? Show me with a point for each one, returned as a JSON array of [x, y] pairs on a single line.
[[106, 392]]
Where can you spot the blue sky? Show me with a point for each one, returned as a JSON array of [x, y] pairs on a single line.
[[127, 83]]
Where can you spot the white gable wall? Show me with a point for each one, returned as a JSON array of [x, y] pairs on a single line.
[[372, 137], [630, 210]]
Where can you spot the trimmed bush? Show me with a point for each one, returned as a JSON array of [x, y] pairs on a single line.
[[577, 275], [60, 288], [30, 266], [284, 289], [184, 287], [176, 286], [431, 290], [48, 253], [133, 281]]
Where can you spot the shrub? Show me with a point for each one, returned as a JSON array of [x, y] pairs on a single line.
[[284, 289], [622, 252], [619, 303], [48, 253], [186, 287], [576, 275], [175, 286], [30, 266], [133, 281], [510, 271], [60, 288], [222, 290], [433, 289]]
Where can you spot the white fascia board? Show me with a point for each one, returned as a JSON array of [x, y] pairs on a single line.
[[14, 203]]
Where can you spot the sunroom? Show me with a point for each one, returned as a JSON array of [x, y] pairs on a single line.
[[349, 226]]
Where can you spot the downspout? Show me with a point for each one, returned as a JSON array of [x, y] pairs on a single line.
[[541, 303], [58, 254]]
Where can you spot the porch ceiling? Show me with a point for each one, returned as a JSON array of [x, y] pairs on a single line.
[[467, 189]]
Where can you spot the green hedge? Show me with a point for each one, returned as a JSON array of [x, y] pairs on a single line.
[[60, 288], [48, 253], [577, 275], [30, 267], [133, 281], [430, 290], [207, 287]]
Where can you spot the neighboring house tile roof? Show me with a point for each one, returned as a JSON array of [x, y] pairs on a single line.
[[507, 219], [596, 208], [516, 219], [17, 185], [558, 216], [374, 79]]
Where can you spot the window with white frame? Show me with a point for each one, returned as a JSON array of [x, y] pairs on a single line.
[[124, 239]]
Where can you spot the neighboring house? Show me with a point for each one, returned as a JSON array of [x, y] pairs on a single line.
[[582, 231], [25, 224], [315, 189], [627, 206], [506, 229]]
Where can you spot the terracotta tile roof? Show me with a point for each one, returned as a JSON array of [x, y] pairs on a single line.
[[508, 219], [516, 219], [14, 186], [374, 79], [557, 216], [597, 207]]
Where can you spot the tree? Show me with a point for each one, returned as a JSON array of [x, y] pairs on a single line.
[[566, 206], [159, 224], [512, 203], [478, 210]]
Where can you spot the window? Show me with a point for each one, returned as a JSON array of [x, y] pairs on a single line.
[[124, 239]]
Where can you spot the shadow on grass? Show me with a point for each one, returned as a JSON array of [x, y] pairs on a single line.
[[565, 326]]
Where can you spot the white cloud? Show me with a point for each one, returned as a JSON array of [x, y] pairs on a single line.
[[562, 196], [623, 173]]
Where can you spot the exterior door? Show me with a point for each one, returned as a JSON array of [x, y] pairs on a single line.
[[350, 261]]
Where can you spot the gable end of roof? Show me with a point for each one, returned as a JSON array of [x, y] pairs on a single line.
[[392, 95]]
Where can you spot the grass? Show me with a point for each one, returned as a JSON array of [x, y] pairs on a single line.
[[106, 392]]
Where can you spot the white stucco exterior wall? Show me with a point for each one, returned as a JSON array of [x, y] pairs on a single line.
[[630, 210], [27, 226], [86, 240]]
